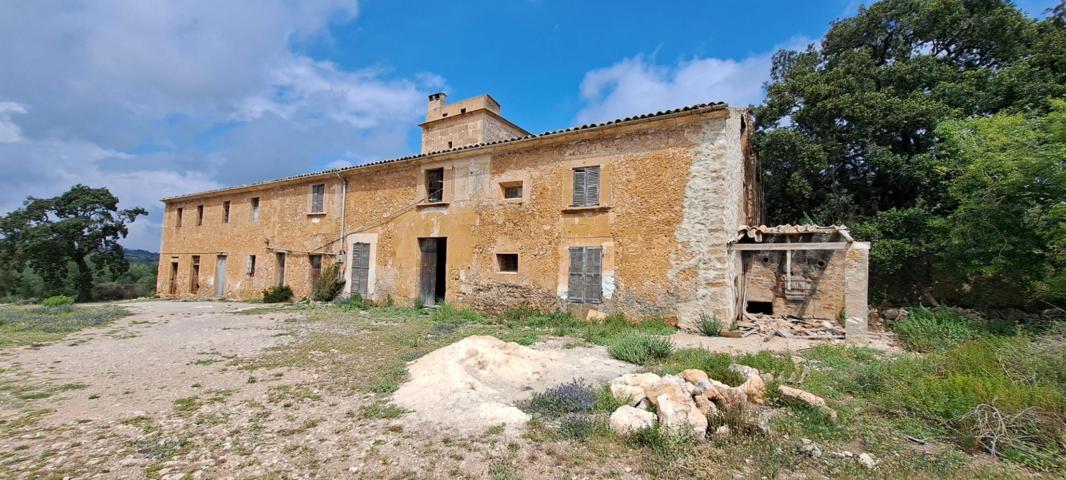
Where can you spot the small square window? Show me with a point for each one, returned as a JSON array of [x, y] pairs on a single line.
[[508, 262], [512, 190]]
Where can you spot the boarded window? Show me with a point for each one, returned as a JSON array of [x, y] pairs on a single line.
[[178, 221], [586, 275], [199, 215], [318, 198], [280, 257], [225, 212], [360, 269], [507, 262], [512, 190], [250, 269], [255, 209], [435, 185], [587, 186]]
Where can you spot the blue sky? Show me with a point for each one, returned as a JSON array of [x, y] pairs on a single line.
[[152, 99]]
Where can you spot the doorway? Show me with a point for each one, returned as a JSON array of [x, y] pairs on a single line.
[[434, 272], [174, 277], [194, 279], [220, 276]]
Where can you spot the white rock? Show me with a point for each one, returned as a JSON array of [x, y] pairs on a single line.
[[744, 370], [632, 394], [626, 420], [867, 460], [678, 413]]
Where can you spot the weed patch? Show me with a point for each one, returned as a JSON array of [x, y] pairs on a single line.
[[22, 325], [639, 348]]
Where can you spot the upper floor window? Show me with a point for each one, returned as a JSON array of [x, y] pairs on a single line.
[[435, 185], [225, 212], [318, 198], [587, 186], [255, 209], [178, 220], [199, 215]]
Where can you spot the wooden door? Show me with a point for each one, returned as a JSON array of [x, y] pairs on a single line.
[[360, 269], [220, 276], [173, 278], [428, 275]]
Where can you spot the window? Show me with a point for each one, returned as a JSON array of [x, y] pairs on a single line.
[[178, 222], [435, 185], [316, 268], [512, 190], [508, 262], [255, 209], [225, 212], [585, 282], [250, 269], [318, 197], [587, 186], [199, 215]]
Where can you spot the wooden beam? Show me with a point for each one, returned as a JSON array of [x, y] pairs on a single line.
[[765, 247]]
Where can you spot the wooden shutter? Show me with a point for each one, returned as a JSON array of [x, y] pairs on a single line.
[[593, 275], [592, 186], [579, 187], [575, 289], [360, 268], [318, 194]]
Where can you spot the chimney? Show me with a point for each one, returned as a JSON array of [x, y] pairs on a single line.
[[436, 100]]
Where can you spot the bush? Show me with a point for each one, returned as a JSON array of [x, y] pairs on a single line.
[[446, 313], [639, 348], [709, 325], [716, 365], [617, 325], [114, 291], [573, 397], [354, 302], [57, 300], [328, 284], [277, 294], [578, 426], [932, 329]]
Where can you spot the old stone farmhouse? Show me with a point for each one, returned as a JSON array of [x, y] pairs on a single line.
[[647, 215]]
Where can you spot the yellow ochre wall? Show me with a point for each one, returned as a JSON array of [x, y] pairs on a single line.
[[673, 191]]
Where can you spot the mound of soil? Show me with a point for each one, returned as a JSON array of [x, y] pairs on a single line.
[[475, 383]]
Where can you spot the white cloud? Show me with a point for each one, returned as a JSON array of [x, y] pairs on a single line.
[[9, 131], [640, 85], [161, 98]]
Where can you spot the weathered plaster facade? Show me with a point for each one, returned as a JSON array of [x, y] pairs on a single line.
[[673, 189]]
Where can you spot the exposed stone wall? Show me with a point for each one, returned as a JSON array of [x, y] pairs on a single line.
[[671, 194], [470, 128], [818, 272]]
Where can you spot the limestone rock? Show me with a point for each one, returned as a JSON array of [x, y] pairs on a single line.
[[694, 376], [678, 413], [628, 393], [706, 407], [808, 398], [744, 370], [867, 460], [641, 380], [595, 316], [754, 389], [626, 420], [662, 388]]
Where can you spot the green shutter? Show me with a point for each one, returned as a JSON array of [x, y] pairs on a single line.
[[575, 290]]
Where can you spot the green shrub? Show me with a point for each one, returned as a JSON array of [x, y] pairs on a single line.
[[57, 300], [932, 329], [419, 303], [716, 365], [617, 325], [277, 294], [577, 426], [709, 325], [446, 313], [354, 302], [639, 348], [329, 284]]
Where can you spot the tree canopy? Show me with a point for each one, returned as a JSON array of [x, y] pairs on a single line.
[[81, 226], [855, 130]]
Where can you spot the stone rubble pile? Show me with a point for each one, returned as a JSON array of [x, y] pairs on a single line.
[[770, 326], [689, 403]]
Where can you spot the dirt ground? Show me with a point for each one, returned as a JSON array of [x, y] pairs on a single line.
[[168, 392]]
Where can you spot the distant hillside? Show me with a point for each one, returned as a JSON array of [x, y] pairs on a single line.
[[134, 255]]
